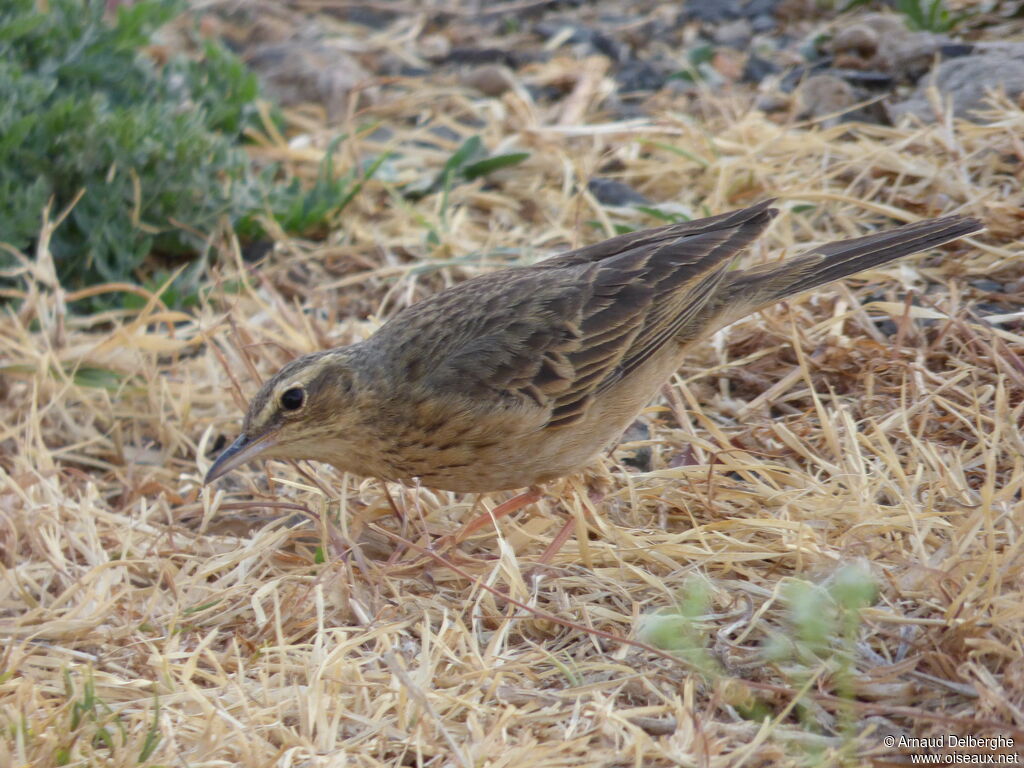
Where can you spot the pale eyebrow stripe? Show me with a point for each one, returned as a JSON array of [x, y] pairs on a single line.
[[305, 376]]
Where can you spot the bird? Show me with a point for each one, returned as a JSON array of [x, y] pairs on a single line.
[[517, 377]]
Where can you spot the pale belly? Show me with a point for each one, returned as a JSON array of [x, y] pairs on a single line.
[[505, 451]]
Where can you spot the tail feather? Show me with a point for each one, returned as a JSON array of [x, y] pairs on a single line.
[[753, 289]]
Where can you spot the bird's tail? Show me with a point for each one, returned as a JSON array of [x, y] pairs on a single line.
[[749, 290]]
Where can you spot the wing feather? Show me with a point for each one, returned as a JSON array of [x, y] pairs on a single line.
[[559, 332]]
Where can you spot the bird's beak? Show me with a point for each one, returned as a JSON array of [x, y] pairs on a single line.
[[240, 452]]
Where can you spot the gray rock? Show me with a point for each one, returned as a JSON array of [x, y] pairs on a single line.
[[759, 12], [299, 71], [758, 68], [591, 39], [615, 193], [882, 42], [989, 286], [734, 34], [966, 81], [639, 75], [825, 96], [490, 79], [640, 457], [372, 15]]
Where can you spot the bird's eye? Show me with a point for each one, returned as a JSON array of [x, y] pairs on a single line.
[[292, 399]]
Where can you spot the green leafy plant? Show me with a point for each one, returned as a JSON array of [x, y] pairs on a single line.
[[925, 15], [680, 628], [822, 639], [469, 162], [663, 216], [309, 211], [90, 720], [819, 639], [929, 15], [91, 714], [154, 149], [699, 60]]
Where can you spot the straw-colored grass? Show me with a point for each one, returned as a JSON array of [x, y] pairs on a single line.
[[285, 617]]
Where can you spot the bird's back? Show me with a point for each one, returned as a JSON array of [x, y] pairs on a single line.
[[557, 357]]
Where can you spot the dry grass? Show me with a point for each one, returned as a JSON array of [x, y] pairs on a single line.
[[144, 617]]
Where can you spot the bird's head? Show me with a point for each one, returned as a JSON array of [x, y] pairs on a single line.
[[307, 410]]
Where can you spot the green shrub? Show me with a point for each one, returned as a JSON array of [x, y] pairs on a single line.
[[155, 149]]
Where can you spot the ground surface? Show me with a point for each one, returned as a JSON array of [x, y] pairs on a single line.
[[859, 445]]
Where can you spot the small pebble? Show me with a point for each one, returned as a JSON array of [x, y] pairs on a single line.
[[615, 193], [489, 79]]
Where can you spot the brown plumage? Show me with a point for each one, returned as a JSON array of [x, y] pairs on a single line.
[[517, 377]]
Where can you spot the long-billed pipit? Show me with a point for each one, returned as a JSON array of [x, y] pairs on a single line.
[[520, 376]]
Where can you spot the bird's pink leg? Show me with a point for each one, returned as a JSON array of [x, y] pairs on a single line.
[[557, 543], [502, 510]]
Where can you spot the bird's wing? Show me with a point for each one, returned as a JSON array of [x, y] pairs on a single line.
[[651, 238], [551, 338], [645, 298]]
